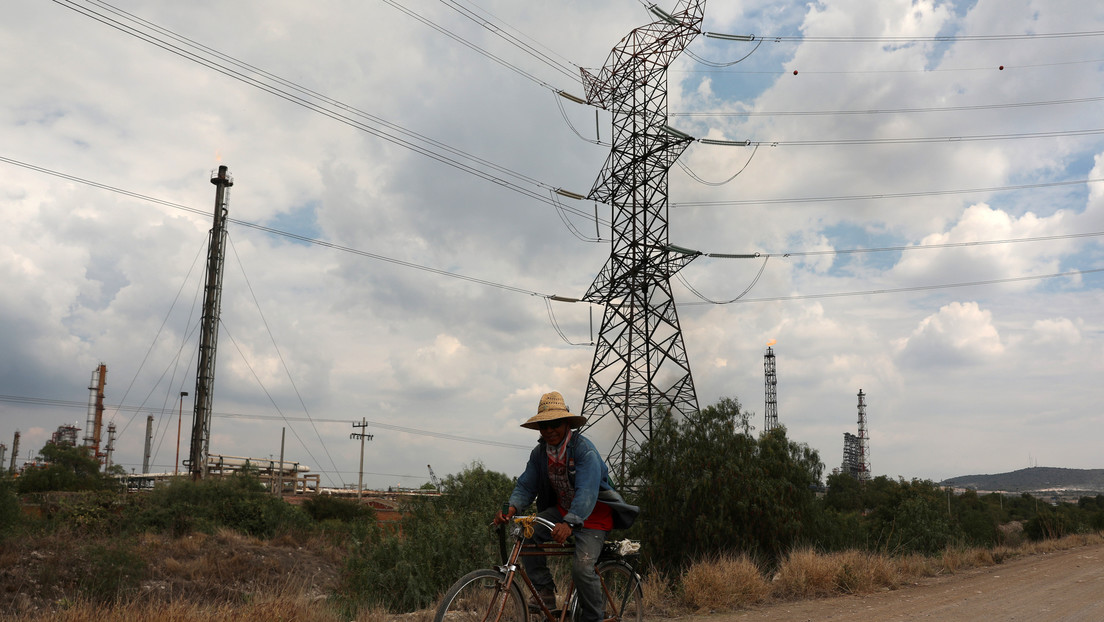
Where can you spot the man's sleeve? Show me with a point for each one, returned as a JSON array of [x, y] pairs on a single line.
[[588, 476], [525, 490]]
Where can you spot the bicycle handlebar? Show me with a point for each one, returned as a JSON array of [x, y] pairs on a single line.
[[536, 519]]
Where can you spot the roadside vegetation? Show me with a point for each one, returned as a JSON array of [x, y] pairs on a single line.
[[731, 519]]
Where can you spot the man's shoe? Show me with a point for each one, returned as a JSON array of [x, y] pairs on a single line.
[[546, 595]]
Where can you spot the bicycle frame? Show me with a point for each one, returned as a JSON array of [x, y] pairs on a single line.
[[485, 595], [510, 566]]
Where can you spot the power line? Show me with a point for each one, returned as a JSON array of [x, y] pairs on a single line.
[[468, 44], [916, 247], [1041, 238], [311, 100], [874, 111], [884, 195], [998, 67], [41, 401], [569, 69], [283, 363], [323, 243], [927, 139], [898, 290], [936, 38], [293, 236]]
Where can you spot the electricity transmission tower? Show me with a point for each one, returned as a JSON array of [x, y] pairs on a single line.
[[640, 366]]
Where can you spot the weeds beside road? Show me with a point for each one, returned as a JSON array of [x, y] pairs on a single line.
[[228, 576]]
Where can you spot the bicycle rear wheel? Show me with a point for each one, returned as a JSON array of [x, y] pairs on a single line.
[[479, 596], [621, 587]]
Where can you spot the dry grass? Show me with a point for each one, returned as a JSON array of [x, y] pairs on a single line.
[[730, 583], [859, 572], [723, 584], [58, 573], [914, 566], [805, 574], [659, 598], [273, 608], [227, 576]]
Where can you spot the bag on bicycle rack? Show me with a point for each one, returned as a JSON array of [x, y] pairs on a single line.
[[624, 514]]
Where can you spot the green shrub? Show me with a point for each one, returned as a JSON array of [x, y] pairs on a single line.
[[441, 538], [1054, 523], [113, 572], [86, 513], [908, 516], [10, 515], [708, 487], [327, 507], [239, 502], [66, 469]]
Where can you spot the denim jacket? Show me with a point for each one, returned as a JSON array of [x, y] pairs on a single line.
[[586, 471]]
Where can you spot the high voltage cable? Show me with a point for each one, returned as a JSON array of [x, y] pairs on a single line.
[[41, 401], [468, 44], [238, 63], [305, 239], [1041, 238], [283, 363], [294, 236], [936, 38], [885, 195], [898, 290], [915, 140], [302, 96], [774, 72], [873, 111], [894, 249], [571, 70]]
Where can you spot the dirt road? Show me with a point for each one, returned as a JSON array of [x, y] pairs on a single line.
[[1065, 585]]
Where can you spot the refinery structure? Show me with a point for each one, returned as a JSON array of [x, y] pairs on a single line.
[[856, 448]]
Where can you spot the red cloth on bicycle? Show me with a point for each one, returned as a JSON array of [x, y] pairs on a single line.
[[600, 518]]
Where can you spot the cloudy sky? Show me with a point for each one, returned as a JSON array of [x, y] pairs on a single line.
[[924, 184]]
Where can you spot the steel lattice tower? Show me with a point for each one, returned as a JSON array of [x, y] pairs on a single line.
[[640, 366], [770, 388]]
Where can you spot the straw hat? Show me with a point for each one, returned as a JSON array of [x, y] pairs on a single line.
[[552, 407]]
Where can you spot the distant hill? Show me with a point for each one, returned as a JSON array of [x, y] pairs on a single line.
[[1033, 480]]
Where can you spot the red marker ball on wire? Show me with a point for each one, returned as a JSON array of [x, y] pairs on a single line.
[[795, 72]]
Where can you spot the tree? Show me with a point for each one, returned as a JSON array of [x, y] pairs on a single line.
[[440, 539], [844, 494], [909, 517], [68, 467], [709, 486]]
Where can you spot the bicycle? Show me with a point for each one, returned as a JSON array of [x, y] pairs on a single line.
[[495, 595]]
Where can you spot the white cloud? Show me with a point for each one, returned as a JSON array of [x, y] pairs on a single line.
[[960, 334]]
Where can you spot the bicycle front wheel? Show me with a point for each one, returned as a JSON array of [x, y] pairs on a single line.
[[481, 596], [621, 588]]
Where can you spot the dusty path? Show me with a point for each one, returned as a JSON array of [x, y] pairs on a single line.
[[1065, 585]]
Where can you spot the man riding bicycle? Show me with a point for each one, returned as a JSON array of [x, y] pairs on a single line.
[[569, 480]]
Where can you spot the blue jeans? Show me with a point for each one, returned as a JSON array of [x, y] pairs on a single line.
[[588, 545]]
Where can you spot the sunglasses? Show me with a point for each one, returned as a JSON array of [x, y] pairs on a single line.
[[548, 425]]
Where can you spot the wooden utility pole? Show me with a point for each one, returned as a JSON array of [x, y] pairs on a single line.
[[363, 437]]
